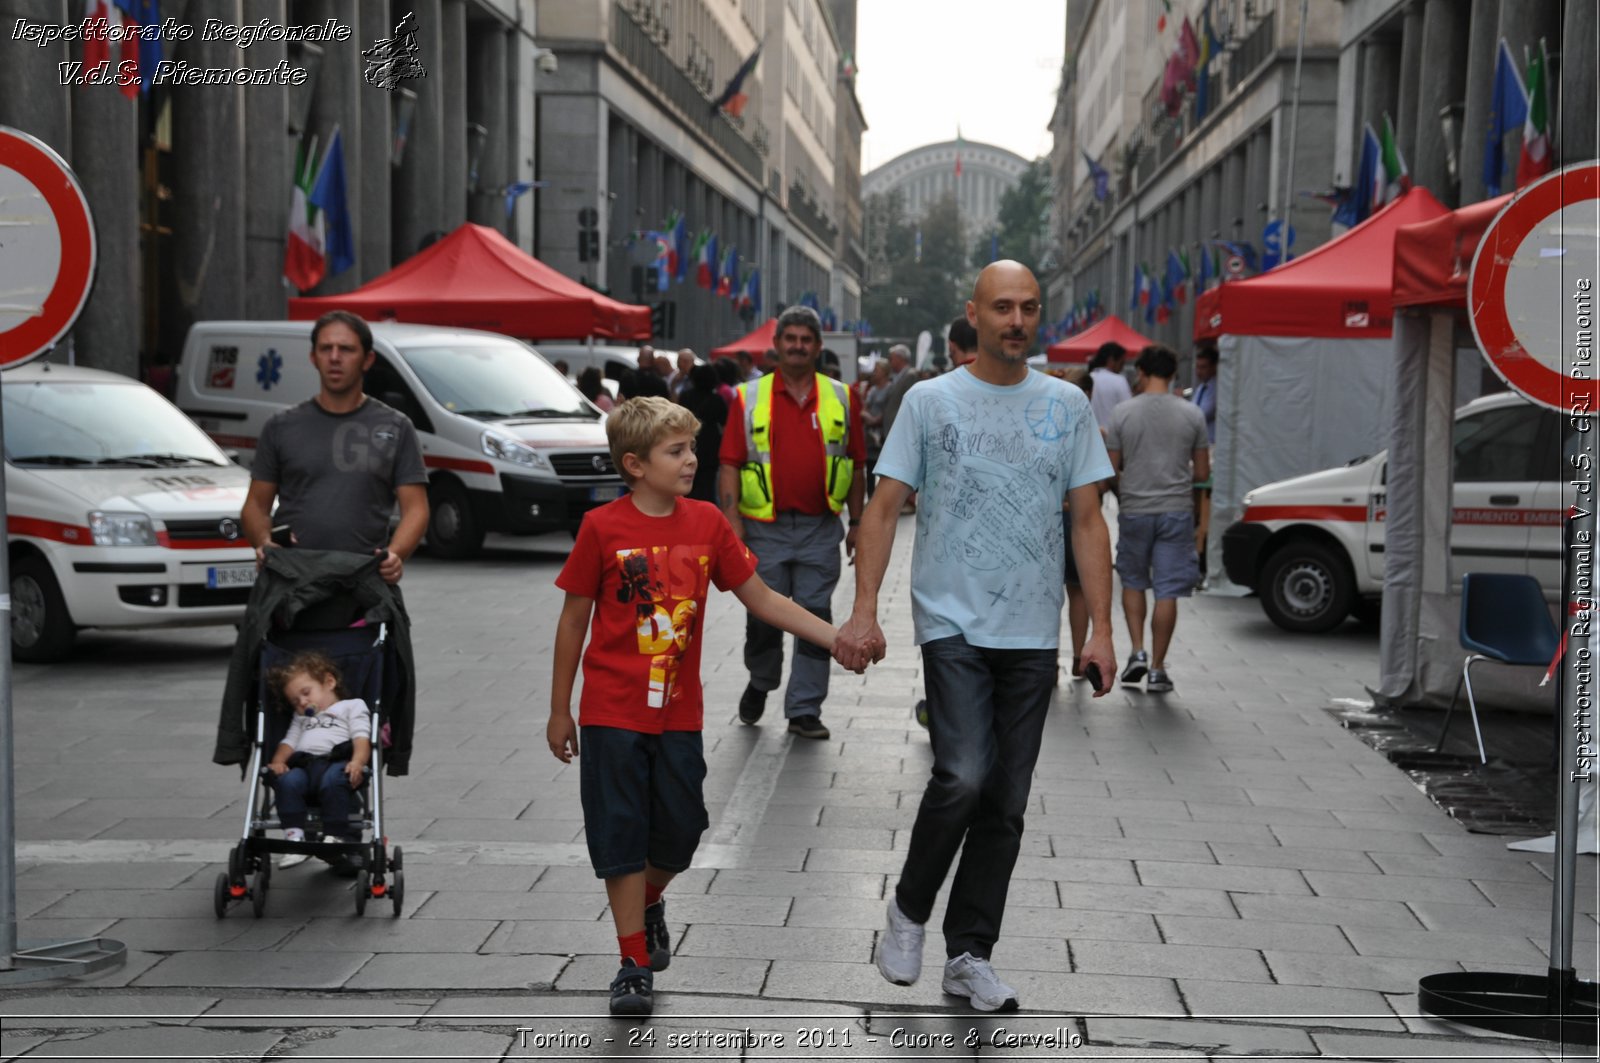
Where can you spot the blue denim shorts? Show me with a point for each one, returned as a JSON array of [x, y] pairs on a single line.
[[642, 798], [1157, 549]]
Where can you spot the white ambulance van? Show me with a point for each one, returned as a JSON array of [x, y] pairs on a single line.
[[1312, 545], [509, 444], [121, 513]]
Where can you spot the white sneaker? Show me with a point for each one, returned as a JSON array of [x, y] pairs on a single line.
[[900, 947], [293, 859], [973, 978]]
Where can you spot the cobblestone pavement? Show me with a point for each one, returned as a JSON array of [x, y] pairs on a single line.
[[1216, 872]]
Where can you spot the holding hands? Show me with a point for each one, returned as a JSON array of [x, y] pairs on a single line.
[[860, 643]]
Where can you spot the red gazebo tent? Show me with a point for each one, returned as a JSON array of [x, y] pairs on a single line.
[[476, 278], [757, 342], [1304, 379], [1339, 290], [1080, 347]]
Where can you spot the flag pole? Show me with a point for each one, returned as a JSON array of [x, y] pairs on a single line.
[[1294, 127]]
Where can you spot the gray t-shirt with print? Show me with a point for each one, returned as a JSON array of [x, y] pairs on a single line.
[[1158, 434], [337, 473]]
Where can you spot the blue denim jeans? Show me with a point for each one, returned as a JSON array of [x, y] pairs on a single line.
[[334, 794], [986, 713]]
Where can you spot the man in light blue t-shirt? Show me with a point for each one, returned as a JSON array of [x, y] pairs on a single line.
[[992, 449]]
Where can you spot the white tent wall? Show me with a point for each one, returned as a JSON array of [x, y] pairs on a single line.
[[1289, 406], [1420, 654]]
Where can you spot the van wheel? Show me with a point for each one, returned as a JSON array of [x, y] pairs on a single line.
[[41, 630], [453, 529], [1306, 588]]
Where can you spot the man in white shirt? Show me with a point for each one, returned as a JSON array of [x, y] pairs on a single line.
[[1110, 386]]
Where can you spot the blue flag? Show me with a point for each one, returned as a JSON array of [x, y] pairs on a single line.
[[1508, 110], [329, 194], [1354, 210]]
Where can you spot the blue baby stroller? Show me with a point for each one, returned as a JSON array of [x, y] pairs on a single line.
[[293, 588]]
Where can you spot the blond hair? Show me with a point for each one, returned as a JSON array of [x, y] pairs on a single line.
[[635, 426]]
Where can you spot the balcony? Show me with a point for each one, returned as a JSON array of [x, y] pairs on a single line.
[[808, 212], [675, 88], [1256, 48]]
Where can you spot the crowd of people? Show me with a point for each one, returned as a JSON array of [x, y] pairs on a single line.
[[751, 475]]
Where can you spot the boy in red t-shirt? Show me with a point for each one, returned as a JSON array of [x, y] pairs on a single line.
[[647, 560]]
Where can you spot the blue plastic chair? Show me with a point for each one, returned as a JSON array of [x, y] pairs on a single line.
[[1504, 619]]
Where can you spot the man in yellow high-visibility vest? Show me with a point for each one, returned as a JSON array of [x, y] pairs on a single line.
[[792, 462]]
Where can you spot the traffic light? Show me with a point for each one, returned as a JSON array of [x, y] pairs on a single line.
[[588, 235], [664, 319]]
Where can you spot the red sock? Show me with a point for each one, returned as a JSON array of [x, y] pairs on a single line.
[[632, 946], [652, 894]]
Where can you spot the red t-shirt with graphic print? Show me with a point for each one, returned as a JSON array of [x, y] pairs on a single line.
[[648, 577]]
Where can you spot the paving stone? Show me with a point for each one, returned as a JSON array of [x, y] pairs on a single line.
[[808, 943], [1353, 1045], [1443, 944], [380, 1043], [1505, 868], [13, 1045], [161, 1043], [1124, 849], [323, 969], [874, 861], [117, 876], [1339, 911], [1225, 1038], [509, 830], [223, 829], [1076, 924], [1253, 934], [582, 880], [798, 884], [450, 972], [554, 937], [1347, 860], [202, 932], [387, 935], [1294, 1005], [503, 904], [1168, 961], [1530, 895], [727, 910], [1190, 831], [302, 1011], [1151, 899], [1528, 922], [747, 857], [1233, 879], [1371, 841], [688, 974], [99, 1010], [1067, 994], [1394, 887], [1074, 869], [1385, 974]]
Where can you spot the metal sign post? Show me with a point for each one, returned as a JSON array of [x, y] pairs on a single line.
[[1531, 300], [46, 274]]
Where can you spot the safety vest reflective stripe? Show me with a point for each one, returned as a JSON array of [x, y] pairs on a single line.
[[833, 423]]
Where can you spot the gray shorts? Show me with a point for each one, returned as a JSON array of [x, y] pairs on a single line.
[[1157, 549]]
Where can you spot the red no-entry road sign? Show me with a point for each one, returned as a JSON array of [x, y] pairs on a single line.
[[1531, 295], [47, 247]]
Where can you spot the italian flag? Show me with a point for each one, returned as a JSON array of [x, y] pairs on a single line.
[[1537, 159], [705, 259], [1397, 176], [304, 257]]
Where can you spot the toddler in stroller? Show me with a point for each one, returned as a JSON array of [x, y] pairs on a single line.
[[324, 752]]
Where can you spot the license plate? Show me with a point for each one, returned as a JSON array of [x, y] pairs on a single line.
[[230, 575], [604, 494]]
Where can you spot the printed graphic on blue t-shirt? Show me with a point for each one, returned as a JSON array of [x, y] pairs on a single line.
[[992, 465]]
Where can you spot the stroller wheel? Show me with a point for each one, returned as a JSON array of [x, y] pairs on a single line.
[[363, 890], [397, 890], [236, 863], [258, 889], [219, 895]]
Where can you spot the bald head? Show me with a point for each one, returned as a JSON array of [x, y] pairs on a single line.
[[1005, 310]]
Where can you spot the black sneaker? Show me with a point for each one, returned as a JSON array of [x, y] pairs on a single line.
[[752, 704], [807, 727], [657, 938], [631, 990], [921, 713], [1138, 665]]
